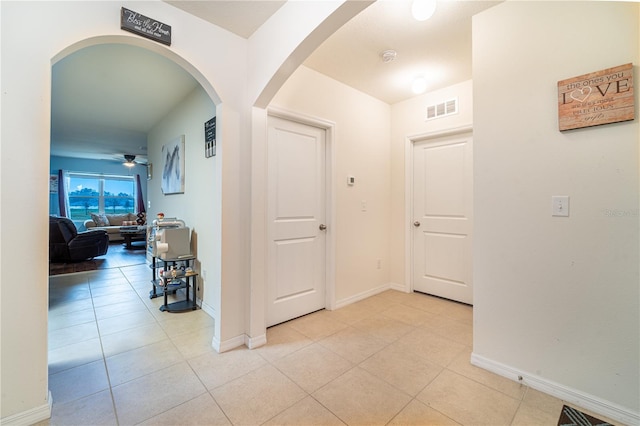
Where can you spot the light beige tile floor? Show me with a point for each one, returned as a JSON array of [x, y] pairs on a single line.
[[394, 358]]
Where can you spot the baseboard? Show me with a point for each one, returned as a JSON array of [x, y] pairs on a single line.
[[573, 396], [255, 342], [361, 296], [31, 416], [399, 287], [227, 345], [208, 309]]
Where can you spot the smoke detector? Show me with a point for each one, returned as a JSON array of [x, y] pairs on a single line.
[[388, 56]]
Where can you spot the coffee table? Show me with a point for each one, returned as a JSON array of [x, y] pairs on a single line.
[[133, 233]]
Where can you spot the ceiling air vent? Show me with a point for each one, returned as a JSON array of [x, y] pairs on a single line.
[[442, 109]]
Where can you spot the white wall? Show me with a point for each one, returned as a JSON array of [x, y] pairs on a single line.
[[408, 120], [556, 299], [198, 206], [361, 149], [287, 38], [58, 28], [27, 55]]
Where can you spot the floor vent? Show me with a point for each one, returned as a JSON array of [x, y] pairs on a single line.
[[442, 109]]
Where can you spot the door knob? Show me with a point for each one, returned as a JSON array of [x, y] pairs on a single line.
[[322, 227], [416, 224]]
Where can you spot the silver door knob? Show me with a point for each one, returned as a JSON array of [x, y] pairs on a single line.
[[416, 223], [322, 227]]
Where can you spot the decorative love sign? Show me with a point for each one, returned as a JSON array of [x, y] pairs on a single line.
[[145, 26], [601, 97]]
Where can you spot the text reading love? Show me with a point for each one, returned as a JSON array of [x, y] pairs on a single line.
[[601, 97]]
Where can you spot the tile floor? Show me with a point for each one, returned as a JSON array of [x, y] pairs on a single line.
[[394, 358]]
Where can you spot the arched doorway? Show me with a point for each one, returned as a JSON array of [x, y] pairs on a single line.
[[124, 81]]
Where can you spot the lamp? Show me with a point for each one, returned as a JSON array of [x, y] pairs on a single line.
[[423, 9], [129, 160]]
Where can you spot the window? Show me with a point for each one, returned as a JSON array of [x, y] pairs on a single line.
[[89, 193]]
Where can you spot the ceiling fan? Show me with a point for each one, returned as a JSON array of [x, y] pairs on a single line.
[[130, 160]]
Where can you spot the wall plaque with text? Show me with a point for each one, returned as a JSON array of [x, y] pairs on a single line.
[[142, 25], [601, 97], [210, 138]]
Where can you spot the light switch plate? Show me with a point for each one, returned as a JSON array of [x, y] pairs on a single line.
[[560, 205]]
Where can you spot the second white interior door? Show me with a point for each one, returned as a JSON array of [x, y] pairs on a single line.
[[296, 259], [443, 217]]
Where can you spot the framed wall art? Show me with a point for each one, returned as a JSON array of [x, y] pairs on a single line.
[[210, 138], [173, 166], [597, 98]]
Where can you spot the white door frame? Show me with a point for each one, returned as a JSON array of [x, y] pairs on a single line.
[[408, 192], [329, 128]]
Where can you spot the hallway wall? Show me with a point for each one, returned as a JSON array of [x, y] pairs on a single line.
[[28, 51], [556, 298], [408, 118], [361, 149]]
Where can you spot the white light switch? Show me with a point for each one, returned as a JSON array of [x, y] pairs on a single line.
[[560, 205]]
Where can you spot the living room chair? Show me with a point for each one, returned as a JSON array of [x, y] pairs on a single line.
[[66, 244]]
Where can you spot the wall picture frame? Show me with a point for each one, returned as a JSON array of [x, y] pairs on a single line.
[[53, 184], [210, 138], [173, 172], [597, 98]]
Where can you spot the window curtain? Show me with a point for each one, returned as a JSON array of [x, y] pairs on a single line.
[[139, 200], [63, 201]]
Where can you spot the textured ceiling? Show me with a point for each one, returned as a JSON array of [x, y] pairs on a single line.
[[241, 17], [438, 49]]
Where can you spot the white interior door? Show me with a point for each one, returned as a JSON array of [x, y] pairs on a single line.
[[296, 215], [443, 217]]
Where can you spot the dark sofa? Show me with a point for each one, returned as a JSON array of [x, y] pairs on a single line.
[[66, 244]]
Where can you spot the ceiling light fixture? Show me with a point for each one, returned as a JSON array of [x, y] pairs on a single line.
[[423, 9], [129, 160], [419, 85], [388, 56]]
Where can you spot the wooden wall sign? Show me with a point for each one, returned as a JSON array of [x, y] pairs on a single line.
[[601, 97], [142, 25]]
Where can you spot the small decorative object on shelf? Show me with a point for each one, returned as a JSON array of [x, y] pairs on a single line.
[[160, 216]]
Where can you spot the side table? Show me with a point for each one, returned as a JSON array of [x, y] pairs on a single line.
[[172, 285], [165, 285]]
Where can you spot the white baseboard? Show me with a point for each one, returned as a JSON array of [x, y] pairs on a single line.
[[227, 345], [31, 416], [565, 393], [255, 342], [399, 287], [361, 296], [208, 309]]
